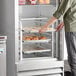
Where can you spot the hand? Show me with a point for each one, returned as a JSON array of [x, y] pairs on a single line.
[[60, 26], [43, 29]]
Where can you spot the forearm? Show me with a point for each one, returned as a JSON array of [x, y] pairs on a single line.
[[51, 21]]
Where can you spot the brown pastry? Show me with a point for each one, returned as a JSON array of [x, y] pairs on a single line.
[[35, 38], [42, 38]]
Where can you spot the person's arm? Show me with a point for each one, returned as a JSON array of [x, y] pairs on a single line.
[[62, 9], [50, 22]]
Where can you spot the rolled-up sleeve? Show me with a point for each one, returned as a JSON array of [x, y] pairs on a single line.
[[62, 8]]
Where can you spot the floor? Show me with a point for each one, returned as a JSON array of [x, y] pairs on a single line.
[[67, 68]]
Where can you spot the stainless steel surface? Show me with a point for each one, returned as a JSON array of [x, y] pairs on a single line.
[[3, 55], [36, 64], [52, 72], [7, 28]]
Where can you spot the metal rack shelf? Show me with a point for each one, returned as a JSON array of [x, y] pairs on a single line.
[[24, 19], [36, 41], [38, 4], [37, 31], [36, 51]]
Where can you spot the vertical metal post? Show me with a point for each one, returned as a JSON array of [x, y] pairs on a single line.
[[60, 44]]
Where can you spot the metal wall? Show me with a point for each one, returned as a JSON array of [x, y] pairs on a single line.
[[7, 27]]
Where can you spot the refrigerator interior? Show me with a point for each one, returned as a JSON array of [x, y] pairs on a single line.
[[33, 44], [38, 53]]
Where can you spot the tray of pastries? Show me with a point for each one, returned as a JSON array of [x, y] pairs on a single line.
[[35, 38]]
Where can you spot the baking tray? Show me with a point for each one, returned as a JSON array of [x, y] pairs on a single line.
[[36, 41], [34, 49], [48, 38], [36, 29]]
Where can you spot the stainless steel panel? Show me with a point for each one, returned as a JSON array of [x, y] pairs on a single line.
[[54, 75], [3, 64], [46, 72], [2, 57], [40, 63]]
